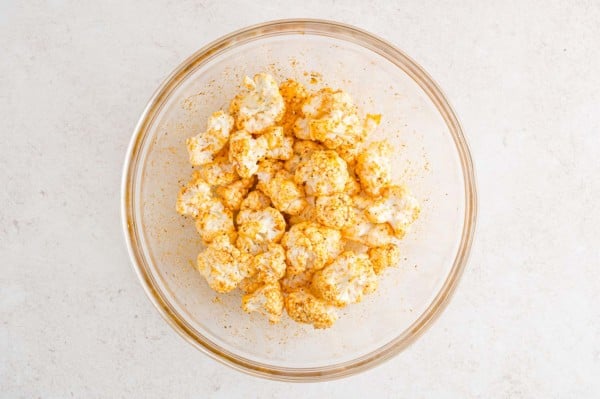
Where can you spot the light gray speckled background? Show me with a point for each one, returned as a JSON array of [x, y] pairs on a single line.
[[523, 77]]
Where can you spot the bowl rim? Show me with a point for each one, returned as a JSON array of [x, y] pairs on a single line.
[[255, 32]]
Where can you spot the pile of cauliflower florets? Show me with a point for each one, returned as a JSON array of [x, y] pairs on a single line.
[[284, 184]]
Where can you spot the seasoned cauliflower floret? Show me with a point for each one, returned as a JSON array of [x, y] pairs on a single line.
[[245, 152], [310, 246], [204, 146], [255, 201], [294, 94], [308, 214], [222, 265], [334, 210], [267, 300], [352, 184], [219, 172], [301, 152], [256, 229], [260, 106], [374, 168], [364, 231], [379, 235], [278, 145], [395, 206], [193, 197], [346, 279], [214, 220], [303, 307], [270, 265], [283, 191], [292, 282], [383, 257], [323, 173], [233, 194], [330, 116]]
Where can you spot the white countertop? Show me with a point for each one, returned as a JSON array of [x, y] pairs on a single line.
[[523, 77]]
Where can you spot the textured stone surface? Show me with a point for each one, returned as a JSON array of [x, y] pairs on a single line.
[[523, 78]]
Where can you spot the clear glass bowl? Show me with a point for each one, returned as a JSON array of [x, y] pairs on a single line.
[[433, 159]]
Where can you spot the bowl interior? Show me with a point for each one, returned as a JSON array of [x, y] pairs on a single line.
[[426, 160]]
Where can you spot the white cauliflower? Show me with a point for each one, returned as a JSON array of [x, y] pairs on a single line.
[[294, 95], [292, 282], [222, 265], [374, 168], [301, 152], [203, 147], [383, 257], [310, 246], [308, 214], [278, 145], [334, 210], [219, 172], [331, 117], [245, 152], [269, 266], [256, 229], [260, 106], [255, 200], [362, 230], [233, 194], [281, 188], [267, 300], [323, 173], [345, 280], [193, 197], [395, 206], [303, 307], [214, 220]]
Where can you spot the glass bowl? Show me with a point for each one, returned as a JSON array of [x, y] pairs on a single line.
[[432, 159]]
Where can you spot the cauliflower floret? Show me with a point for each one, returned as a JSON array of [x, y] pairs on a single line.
[[302, 150], [257, 229], [269, 266], [267, 300], [303, 307], [323, 173], [334, 210], [255, 200], [330, 117], [379, 235], [309, 213], [294, 95], [250, 284], [278, 145], [395, 206], [204, 146], [222, 265], [245, 152], [193, 197], [260, 106], [345, 280], [383, 257], [292, 282], [352, 184], [285, 194], [219, 172], [214, 220], [374, 168], [233, 194], [310, 246], [364, 231], [267, 169]]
